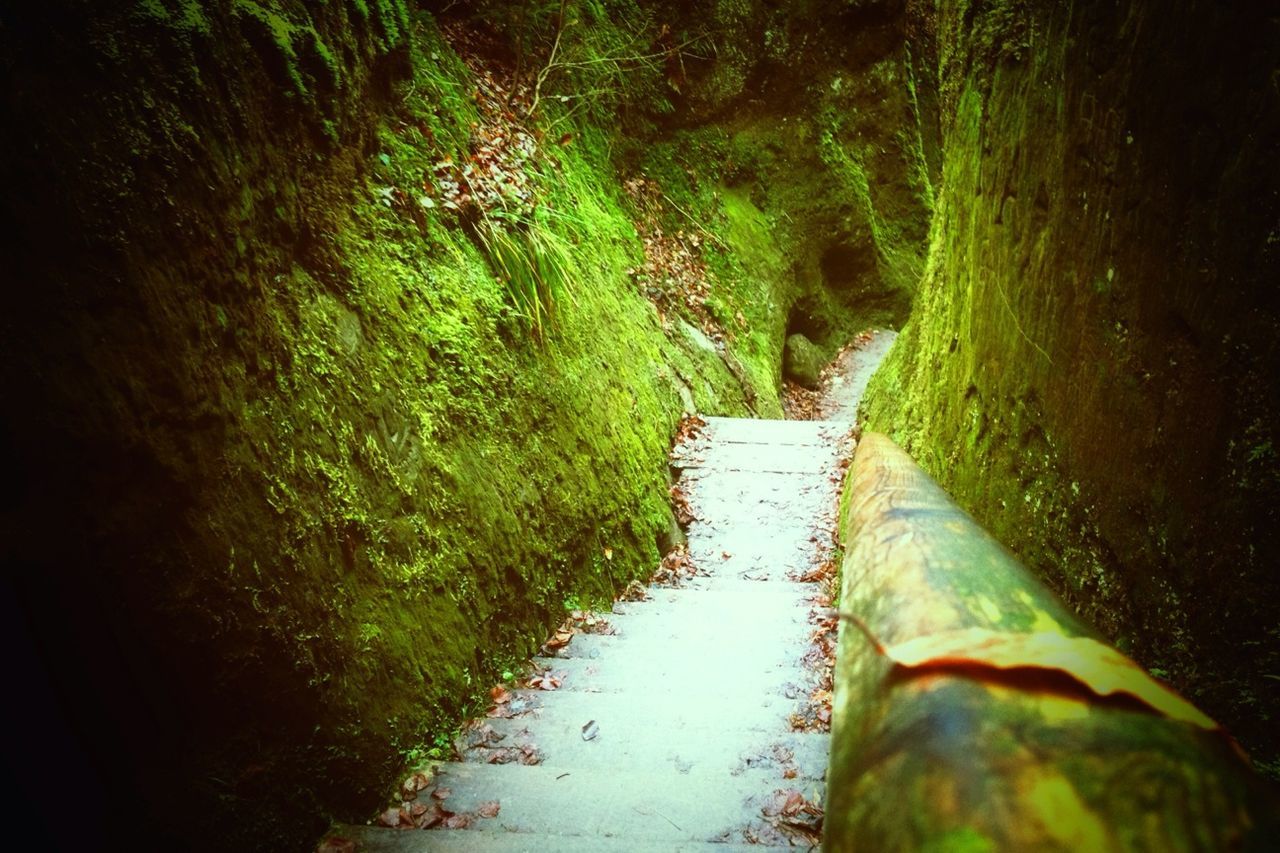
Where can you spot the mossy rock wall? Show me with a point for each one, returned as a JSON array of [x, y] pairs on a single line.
[[809, 111], [1091, 366], [290, 482]]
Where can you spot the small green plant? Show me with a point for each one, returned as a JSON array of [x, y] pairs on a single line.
[[534, 264]]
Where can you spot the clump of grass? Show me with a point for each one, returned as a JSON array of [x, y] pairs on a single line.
[[534, 264]]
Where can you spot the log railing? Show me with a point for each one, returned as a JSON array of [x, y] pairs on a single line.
[[973, 711]]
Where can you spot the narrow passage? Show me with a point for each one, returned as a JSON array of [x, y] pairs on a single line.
[[691, 717]]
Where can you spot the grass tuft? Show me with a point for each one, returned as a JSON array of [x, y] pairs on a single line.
[[534, 264]]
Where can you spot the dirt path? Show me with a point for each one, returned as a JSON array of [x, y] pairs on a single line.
[[843, 380]]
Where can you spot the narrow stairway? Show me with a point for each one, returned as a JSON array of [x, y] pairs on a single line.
[[677, 729]]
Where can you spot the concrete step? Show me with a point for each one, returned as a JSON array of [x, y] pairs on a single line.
[[765, 711], [614, 802], [759, 561], [630, 654], [725, 594], [807, 433], [764, 669], [379, 840], [725, 496], [760, 458], [653, 745]]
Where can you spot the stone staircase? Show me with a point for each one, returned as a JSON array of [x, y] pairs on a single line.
[[672, 726]]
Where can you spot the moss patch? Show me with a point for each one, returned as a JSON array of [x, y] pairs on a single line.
[[1084, 367]]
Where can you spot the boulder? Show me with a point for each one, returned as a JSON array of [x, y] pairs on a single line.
[[802, 361]]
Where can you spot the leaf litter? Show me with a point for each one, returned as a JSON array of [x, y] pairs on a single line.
[[423, 806], [814, 404], [814, 713]]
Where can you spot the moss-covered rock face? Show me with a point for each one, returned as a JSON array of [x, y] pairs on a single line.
[[807, 112], [1091, 366]]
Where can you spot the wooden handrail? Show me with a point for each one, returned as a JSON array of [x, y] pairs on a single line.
[[973, 711]]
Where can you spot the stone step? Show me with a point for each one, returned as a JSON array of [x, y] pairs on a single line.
[[725, 594], [757, 458], [755, 562], [652, 745], [765, 711], [629, 653], [615, 802], [734, 570], [722, 496], [603, 647], [372, 839], [774, 432], [761, 667]]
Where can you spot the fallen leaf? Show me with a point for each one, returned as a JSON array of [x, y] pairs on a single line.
[[390, 817], [489, 808], [336, 844], [1100, 668], [442, 793], [413, 785], [560, 639], [457, 821], [547, 681], [499, 695]]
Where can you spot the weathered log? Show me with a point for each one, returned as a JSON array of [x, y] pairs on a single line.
[[973, 711]]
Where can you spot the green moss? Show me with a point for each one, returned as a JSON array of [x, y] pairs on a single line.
[[393, 18], [184, 15], [277, 31], [1052, 375]]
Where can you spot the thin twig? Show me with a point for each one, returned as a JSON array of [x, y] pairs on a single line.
[[696, 224], [659, 814], [1018, 325], [551, 60]]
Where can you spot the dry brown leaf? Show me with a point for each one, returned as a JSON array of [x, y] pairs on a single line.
[[411, 786], [431, 817], [489, 808], [559, 639], [547, 681]]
